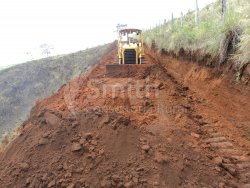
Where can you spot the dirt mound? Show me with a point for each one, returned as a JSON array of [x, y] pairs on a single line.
[[23, 84], [98, 131]]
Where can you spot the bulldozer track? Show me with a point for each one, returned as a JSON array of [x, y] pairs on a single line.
[[234, 158]]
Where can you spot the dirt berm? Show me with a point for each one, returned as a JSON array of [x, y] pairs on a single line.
[[148, 130]]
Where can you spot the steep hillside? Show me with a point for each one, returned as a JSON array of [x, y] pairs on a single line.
[[165, 126], [213, 41], [22, 85]]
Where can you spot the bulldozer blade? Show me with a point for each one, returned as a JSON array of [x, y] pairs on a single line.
[[124, 70]]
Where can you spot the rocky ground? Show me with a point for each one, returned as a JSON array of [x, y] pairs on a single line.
[[171, 124]]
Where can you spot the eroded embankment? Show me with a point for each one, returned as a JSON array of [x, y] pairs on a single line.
[[221, 108], [220, 65]]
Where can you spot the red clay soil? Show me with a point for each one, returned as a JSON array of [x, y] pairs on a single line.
[[170, 125]]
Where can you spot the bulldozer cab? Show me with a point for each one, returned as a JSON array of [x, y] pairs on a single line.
[[130, 46]]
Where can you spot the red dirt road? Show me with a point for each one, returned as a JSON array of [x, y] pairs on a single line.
[[172, 124]]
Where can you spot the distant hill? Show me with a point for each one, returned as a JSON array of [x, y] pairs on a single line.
[[3, 67], [22, 85]]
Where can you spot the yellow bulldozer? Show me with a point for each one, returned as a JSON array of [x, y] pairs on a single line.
[[130, 53], [130, 46]]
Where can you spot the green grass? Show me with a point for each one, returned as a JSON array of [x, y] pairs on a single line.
[[242, 57], [210, 35]]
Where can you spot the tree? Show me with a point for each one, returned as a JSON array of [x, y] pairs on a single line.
[[30, 55], [46, 49]]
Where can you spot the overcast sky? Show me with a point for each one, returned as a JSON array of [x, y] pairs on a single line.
[[72, 25]]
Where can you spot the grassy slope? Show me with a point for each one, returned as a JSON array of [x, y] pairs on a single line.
[[211, 35], [22, 85]]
